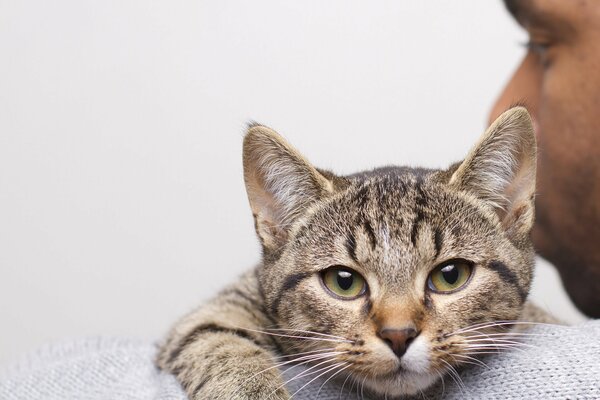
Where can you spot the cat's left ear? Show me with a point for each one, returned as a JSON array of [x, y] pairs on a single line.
[[500, 170]]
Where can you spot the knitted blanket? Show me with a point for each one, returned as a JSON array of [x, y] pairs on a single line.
[[558, 363]]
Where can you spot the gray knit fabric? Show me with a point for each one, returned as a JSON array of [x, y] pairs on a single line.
[[561, 363]]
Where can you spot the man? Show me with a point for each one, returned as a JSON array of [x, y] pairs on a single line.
[[559, 81]]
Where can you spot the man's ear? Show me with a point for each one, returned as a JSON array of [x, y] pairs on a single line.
[[500, 170], [281, 184]]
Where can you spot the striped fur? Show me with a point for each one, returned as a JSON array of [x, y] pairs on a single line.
[[392, 225]]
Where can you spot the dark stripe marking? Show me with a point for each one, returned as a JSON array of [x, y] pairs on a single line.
[[438, 241], [371, 234], [367, 307], [362, 196], [290, 283], [509, 276], [261, 292], [421, 198], [427, 300], [351, 246], [415, 228], [200, 385], [239, 293], [208, 328]]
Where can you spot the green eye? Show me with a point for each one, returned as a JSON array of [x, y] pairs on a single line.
[[450, 276], [344, 283]]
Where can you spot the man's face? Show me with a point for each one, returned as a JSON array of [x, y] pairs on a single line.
[[559, 81]]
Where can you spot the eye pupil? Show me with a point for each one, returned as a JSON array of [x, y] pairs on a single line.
[[450, 274], [344, 280]]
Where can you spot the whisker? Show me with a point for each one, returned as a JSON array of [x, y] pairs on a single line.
[[496, 341], [305, 373], [328, 379], [443, 384], [342, 389], [300, 375], [501, 323], [491, 344], [459, 361], [479, 327], [473, 360], [298, 337], [455, 376], [492, 347], [362, 388], [423, 394], [310, 357], [506, 334], [305, 360], [498, 346], [309, 332], [483, 352], [354, 382], [304, 353], [328, 369]]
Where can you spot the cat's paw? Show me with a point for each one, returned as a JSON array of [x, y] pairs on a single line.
[[268, 386], [243, 382]]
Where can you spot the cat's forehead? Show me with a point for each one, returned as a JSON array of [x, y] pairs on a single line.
[[402, 219], [396, 192]]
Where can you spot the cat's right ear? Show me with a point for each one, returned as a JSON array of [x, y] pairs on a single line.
[[500, 170], [281, 184]]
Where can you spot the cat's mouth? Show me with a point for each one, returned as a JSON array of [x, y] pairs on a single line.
[[406, 375]]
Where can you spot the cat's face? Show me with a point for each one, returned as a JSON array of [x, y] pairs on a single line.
[[390, 269]]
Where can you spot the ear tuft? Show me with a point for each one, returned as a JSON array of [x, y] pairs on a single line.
[[500, 169], [280, 183]]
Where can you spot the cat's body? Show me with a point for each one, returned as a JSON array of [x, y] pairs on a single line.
[[392, 277]]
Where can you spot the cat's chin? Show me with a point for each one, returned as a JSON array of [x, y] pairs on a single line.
[[401, 383]]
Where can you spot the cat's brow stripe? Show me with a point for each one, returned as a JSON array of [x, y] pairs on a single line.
[[421, 198], [415, 228], [421, 202], [438, 241], [208, 328], [509, 276], [371, 234], [351, 246], [291, 281], [362, 196]]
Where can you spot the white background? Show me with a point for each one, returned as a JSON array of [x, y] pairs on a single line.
[[122, 203]]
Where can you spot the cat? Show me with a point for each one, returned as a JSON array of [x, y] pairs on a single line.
[[393, 276]]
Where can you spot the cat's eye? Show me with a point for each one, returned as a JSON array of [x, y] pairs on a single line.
[[344, 282], [450, 276]]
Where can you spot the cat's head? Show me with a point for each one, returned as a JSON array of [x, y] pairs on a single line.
[[397, 271]]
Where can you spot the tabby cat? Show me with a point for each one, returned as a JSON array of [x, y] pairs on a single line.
[[393, 277]]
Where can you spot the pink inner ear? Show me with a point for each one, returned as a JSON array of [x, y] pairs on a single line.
[[522, 185]]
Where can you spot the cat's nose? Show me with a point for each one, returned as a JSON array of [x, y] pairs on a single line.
[[398, 339]]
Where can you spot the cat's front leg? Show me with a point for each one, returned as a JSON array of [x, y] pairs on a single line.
[[223, 365], [220, 351]]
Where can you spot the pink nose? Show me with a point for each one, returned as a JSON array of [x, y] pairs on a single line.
[[398, 339]]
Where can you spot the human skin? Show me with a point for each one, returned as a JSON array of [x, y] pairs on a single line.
[[559, 81]]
